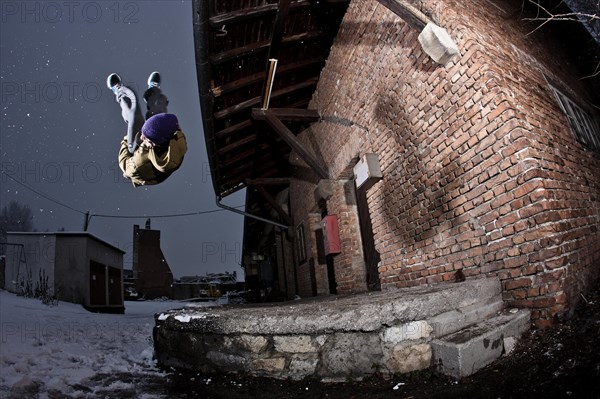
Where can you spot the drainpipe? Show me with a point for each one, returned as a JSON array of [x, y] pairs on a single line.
[[283, 226]]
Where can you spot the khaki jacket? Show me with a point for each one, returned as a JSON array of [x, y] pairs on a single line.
[[148, 165]]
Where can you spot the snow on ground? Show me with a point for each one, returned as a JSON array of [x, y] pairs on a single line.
[[47, 350]]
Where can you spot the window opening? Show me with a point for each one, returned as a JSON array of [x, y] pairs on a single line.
[[583, 125]]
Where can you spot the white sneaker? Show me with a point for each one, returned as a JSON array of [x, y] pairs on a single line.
[[113, 82], [154, 80]]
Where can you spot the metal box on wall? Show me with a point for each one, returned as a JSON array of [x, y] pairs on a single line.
[[331, 235], [367, 171]]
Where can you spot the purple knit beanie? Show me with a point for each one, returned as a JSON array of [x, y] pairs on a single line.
[[160, 128]]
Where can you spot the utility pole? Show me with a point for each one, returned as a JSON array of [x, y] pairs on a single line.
[[86, 222]]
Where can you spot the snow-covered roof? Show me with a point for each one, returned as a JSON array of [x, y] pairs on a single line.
[[67, 234]]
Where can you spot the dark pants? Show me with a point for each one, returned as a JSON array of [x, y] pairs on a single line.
[[156, 103]]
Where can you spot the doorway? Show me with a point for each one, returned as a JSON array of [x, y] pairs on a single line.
[[372, 257]]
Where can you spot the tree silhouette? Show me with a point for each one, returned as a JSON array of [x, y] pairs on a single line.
[[15, 217]]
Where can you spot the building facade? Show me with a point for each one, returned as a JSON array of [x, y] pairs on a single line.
[[486, 163], [491, 164], [75, 267]]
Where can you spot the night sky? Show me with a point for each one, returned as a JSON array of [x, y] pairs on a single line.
[[61, 127]]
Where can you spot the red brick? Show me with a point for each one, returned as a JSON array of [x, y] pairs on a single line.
[[517, 283]]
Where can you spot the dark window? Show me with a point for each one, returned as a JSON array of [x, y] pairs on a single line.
[[582, 123]]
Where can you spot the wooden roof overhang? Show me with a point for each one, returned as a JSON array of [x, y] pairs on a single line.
[[234, 41]]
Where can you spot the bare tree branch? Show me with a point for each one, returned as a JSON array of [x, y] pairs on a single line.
[[594, 74], [550, 16]]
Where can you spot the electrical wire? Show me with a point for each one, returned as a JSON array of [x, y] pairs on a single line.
[[159, 216], [46, 196], [98, 215]]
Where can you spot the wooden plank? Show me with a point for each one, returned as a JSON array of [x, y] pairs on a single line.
[[224, 113], [274, 204], [239, 174], [283, 10], [268, 182], [409, 13], [288, 114], [258, 77], [233, 129], [241, 156], [296, 145], [257, 12], [253, 48], [236, 144]]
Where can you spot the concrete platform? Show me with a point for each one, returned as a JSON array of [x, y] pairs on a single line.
[[333, 338]]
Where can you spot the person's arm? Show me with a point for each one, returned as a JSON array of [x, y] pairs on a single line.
[[124, 156]]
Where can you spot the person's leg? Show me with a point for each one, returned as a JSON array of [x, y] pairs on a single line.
[[156, 102], [131, 113]]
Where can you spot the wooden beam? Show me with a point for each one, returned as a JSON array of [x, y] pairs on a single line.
[[288, 114], [242, 172], [268, 182], [283, 11], [256, 100], [241, 156], [229, 87], [253, 48], [275, 205], [236, 16], [236, 144], [296, 145], [239, 175], [409, 13], [233, 129]]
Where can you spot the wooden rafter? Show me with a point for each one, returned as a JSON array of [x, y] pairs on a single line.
[[253, 48], [280, 181], [233, 129], [245, 124], [274, 204], [289, 137], [251, 13], [258, 77], [236, 144], [289, 114], [409, 13], [224, 113], [241, 156], [233, 42]]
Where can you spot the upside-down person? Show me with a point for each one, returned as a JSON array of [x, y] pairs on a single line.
[[154, 146]]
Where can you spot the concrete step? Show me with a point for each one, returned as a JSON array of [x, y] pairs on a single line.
[[328, 338], [456, 319], [463, 352]]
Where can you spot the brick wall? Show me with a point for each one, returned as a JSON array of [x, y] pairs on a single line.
[[481, 171]]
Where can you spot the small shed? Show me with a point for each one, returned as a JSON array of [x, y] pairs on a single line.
[[75, 267]]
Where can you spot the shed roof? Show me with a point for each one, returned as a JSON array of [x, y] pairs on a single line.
[[69, 234], [234, 41]]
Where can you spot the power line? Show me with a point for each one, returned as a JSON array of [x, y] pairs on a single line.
[[90, 215], [160, 216], [46, 196]]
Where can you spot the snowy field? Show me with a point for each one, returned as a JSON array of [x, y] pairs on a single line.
[[65, 351]]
